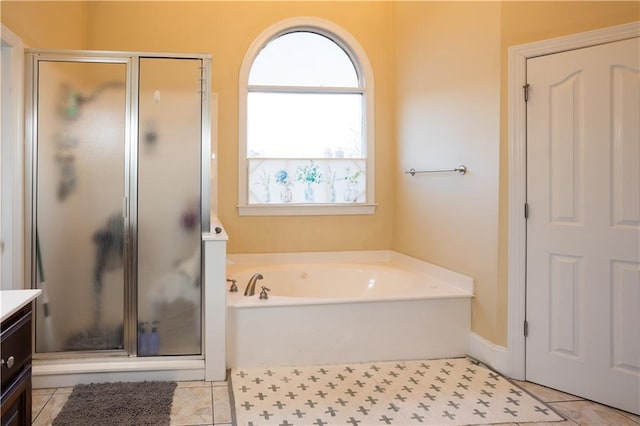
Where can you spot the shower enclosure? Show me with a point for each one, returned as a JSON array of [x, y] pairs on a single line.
[[118, 151]]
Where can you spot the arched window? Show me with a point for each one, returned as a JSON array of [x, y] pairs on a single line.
[[306, 122]]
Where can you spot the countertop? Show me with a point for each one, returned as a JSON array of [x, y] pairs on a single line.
[[13, 300]]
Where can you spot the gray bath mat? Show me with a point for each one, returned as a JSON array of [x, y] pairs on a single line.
[[134, 403]]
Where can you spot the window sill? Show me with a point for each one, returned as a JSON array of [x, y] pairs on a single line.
[[306, 209]]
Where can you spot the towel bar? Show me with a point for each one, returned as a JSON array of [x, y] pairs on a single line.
[[460, 169]]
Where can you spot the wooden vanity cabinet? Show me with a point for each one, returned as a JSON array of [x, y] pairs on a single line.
[[15, 371]]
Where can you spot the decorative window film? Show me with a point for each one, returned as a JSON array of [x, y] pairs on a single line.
[[306, 139], [307, 181]]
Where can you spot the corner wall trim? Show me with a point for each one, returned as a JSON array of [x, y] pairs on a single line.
[[495, 356], [12, 100]]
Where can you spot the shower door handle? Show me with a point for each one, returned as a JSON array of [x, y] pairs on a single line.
[[125, 207]]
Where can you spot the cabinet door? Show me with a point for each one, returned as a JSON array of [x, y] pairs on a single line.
[[16, 402]]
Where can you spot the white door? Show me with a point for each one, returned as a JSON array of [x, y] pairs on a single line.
[[583, 229]]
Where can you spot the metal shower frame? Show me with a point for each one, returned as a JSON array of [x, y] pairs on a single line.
[[132, 62]]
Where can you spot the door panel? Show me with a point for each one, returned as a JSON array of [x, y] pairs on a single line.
[[625, 170], [80, 183], [625, 294], [583, 239], [566, 287], [169, 228], [566, 140]]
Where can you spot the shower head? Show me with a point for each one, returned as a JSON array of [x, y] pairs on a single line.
[[73, 100]]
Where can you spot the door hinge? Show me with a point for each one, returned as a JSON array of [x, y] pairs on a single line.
[[526, 328], [526, 210], [525, 90]]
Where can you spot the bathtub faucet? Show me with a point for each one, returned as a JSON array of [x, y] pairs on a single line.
[[251, 285]]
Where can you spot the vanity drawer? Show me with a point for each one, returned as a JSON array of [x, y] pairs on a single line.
[[15, 346]]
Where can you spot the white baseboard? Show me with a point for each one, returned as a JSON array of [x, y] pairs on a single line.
[[495, 356]]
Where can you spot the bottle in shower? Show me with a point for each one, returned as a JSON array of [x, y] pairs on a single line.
[[143, 339], [154, 340]]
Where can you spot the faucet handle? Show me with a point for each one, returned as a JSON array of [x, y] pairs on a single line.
[[263, 293], [234, 287]]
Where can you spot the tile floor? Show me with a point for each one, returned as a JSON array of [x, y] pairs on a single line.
[[207, 403], [194, 403]]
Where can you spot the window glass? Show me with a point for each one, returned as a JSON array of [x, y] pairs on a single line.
[[303, 125], [303, 59]]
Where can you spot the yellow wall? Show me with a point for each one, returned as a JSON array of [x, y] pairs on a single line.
[[47, 25], [448, 107], [445, 60]]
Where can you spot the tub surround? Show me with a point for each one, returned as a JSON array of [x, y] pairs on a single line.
[[215, 306], [339, 333], [300, 331]]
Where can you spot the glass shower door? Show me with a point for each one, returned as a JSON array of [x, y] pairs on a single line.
[[80, 188], [169, 206], [118, 157]]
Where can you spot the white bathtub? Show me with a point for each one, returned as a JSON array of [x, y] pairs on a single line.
[[327, 308]]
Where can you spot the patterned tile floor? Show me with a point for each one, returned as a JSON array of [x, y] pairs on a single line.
[[207, 403]]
